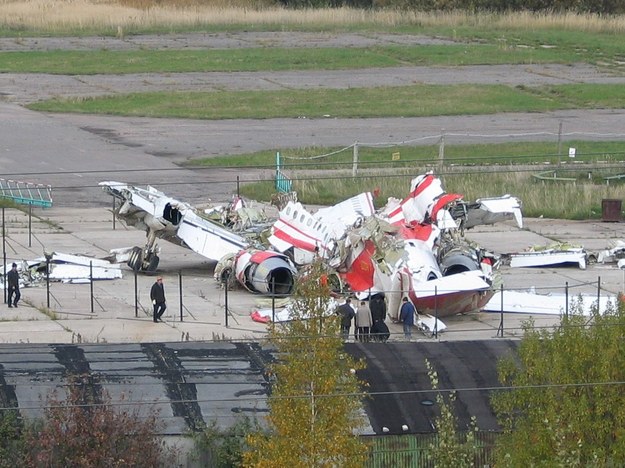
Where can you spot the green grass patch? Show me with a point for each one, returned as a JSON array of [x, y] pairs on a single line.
[[319, 159], [559, 200], [591, 47], [402, 101], [480, 170], [481, 54], [69, 62], [77, 62], [405, 101], [585, 96]]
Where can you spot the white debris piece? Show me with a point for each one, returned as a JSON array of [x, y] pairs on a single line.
[[548, 304], [549, 257]]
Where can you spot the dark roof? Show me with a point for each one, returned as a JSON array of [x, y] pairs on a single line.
[[396, 374], [188, 383], [195, 382]]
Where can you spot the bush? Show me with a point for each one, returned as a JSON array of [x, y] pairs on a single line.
[[85, 430], [224, 448]]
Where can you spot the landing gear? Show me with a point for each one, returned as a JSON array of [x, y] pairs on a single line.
[[135, 260], [152, 264], [139, 260], [145, 259]]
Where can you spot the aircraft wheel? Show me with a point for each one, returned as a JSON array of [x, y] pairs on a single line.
[[136, 258], [152, 263]]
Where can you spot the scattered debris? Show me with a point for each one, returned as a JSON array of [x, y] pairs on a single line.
[[67, 268], [413, 247]]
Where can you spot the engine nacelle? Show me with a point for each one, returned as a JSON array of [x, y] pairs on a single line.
[[265, 272]]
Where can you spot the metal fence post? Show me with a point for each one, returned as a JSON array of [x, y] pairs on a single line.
[[4, 255], [136, 295], [598, 293], [273, 299], [500, 329], [227, 278], [180, 288], [441, 152], [566, 297], [91, 283], [48, 282], [30, 224], [355, 160], [436, 312]]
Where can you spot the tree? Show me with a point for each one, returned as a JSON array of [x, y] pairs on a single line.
[[314, 407], [566, 406], [451, 449], [223, 448], [11, 438], [82, 432]]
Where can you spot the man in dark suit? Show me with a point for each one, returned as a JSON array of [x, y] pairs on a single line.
[[157, 295]]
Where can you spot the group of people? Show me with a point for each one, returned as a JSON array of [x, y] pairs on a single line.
[[369, 320]]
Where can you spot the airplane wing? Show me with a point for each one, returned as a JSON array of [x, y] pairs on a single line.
[[172, 220]]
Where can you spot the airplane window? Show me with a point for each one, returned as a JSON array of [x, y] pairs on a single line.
[[301, 220], [295, 215], [288, 211], [309, 222]]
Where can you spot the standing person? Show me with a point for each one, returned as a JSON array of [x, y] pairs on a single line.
[[406, 316], [377, 304], [157, 295], [347, 313], [363, 321], [13, 279]]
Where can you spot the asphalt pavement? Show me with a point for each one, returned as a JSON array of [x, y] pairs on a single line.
[[119, 311]]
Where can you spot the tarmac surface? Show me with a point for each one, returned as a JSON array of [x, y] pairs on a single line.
[[119, 311]]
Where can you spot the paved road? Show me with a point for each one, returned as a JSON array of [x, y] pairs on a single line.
[[73, 152]]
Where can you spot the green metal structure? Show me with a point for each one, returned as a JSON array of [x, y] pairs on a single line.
[[26, 193]]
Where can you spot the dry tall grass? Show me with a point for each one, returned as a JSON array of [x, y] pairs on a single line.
[[55, 16]]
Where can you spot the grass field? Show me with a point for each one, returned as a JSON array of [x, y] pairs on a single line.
[[402, 101], [76, 62]]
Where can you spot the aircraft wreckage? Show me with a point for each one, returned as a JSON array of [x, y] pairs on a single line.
[[413, 246]]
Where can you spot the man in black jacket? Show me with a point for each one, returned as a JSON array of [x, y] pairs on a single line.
[[157, 295], [13, 279], [347, 313], [379, 330]]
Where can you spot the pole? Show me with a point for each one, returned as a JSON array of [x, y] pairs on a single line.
[[136, 294], [566, 297], [30, 224], [4, 256], [227, 277], [500, 329], [355, 160], [113, 213], [273, 299], [180, 289], [48, 281], [435, 311], [441, 152], [559, 144], [91, 283], [238, 187], [598, 293]]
